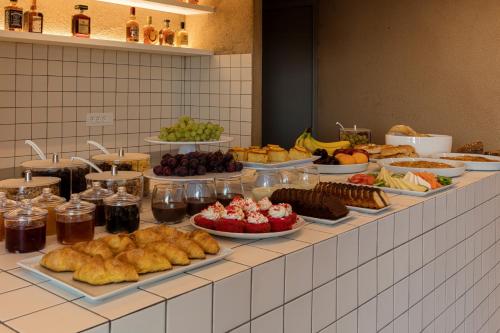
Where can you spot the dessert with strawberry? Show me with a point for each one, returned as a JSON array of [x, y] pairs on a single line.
[[257, 223], [209, 216], [231, 220], [264, 205], [281, 217]]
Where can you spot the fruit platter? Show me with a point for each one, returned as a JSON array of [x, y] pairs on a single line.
[[247, 219], [271, 156], [410, 183], [341, 161], [189, 134]]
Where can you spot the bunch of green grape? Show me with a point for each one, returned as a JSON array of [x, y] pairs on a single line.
[[187, 129]]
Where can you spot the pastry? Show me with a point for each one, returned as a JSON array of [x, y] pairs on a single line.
[[493, 152], [277, 154], [165, 231], [94, 248], [64, 259], [231, 220], [257, 223], [205, 241], [119, 243], [281, 217], [99, 272], [193, 250], [209, 216], [257, 156], [145, 260], [299, 153], [472, 148], [239, 153], [145, 236], [175, 255], [404, 130], [354, 195]]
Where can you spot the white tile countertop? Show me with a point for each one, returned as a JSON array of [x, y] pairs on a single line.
[[427, 265]]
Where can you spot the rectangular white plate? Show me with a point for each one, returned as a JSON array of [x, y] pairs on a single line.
[[326, 221], [367, 210], [414, 193], [97, 293], [279, 165]]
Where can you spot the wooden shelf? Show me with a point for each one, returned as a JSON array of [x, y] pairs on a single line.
[[27, 37], [169, 6]]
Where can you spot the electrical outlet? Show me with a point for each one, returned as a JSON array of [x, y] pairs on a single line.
[[99, 119]]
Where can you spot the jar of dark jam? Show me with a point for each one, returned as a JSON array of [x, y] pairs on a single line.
[[121, 211], [25, 228], [49, 201], [5, 206], [96, 195], [75, 221]]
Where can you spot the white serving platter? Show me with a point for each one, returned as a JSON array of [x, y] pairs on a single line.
[[338, 169], [415, 193], [278, 165], [188, 146], [296, 227], [458, 168], [473, 166], [209, 176], [326, 221], [98, 293], [368, 210]]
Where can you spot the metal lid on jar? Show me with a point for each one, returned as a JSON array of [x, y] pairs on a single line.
[[29, 181], [48, 199], [121, 156], [5, 203], [25, 211], [122, 198], [96, 192], [75, 206], [53, 164], [113, 175]]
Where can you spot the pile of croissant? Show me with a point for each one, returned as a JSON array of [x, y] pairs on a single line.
[[122, 257]]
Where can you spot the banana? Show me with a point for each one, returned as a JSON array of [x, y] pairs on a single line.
[[307, 141]]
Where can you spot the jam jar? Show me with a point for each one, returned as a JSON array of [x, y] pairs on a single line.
[[75, 221], [5, 206], [96, 195], [28, 187], [25, 228], [121, 211], [131, 180], [49, 202]]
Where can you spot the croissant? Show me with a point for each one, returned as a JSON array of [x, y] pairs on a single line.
[[119, 243], [193, 250], [175, 255], [205, 241], [145, 236], [166, 231], [64, 259], [94, 248], [99, 272], [145, 261]]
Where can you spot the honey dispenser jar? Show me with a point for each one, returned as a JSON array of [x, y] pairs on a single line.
[[49, 202], [75, 221], [96, 195], [5, 206]]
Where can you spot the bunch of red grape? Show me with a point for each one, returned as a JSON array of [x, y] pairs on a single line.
[[196, 164]]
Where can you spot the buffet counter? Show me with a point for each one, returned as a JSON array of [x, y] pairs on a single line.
[[425, 265]]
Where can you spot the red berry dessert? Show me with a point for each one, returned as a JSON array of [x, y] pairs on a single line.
[[238, 202], [232, 220], [250, 206], [257, 223], [209, 216], [264, 205], [281, 217]]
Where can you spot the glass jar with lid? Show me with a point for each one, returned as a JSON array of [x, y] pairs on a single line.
[[71, 172], [28, 187], [5, 206], [96, 195], [112, 180], [49, 201], [75, 221], [25, 228], [356, 135], [121, 211]]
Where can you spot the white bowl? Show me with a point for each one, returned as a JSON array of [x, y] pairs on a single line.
[[424, 145], [457, 167]]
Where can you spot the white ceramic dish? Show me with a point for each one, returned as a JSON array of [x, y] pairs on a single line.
[[97, 293], [415, 193], [188, 146], [279, 165], [458, 168], [296, 227], [209, 176], [475, 166], [369, 211], [326, 221], [424, 146], [338, 169]]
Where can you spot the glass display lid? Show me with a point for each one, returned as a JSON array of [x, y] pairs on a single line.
[[131, 180]]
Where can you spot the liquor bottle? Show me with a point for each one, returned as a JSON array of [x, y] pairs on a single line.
[[80, 26], [167, 34], [150, 33], [181, 36], [132, 27], [13, 17], [33, 20]]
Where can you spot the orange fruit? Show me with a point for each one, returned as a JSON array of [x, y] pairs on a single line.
[[345, 159], [360, 158]]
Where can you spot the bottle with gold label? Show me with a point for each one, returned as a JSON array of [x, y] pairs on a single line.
[[181, 36], [80, 26], [167, 34], [33, 19], [150, 33], [13, 17], [132, 27]]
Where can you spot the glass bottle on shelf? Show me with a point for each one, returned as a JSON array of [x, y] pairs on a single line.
[[181, 36], [132, 27], [33, 19], [13, 17], [166, 34], [150, 33], [80, 26]]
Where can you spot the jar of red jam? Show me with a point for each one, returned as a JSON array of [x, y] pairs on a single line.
[[25, 228], [5, 206], [75, 221], [96, 195]]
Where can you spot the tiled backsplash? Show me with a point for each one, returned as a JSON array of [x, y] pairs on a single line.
[[46, 93]]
